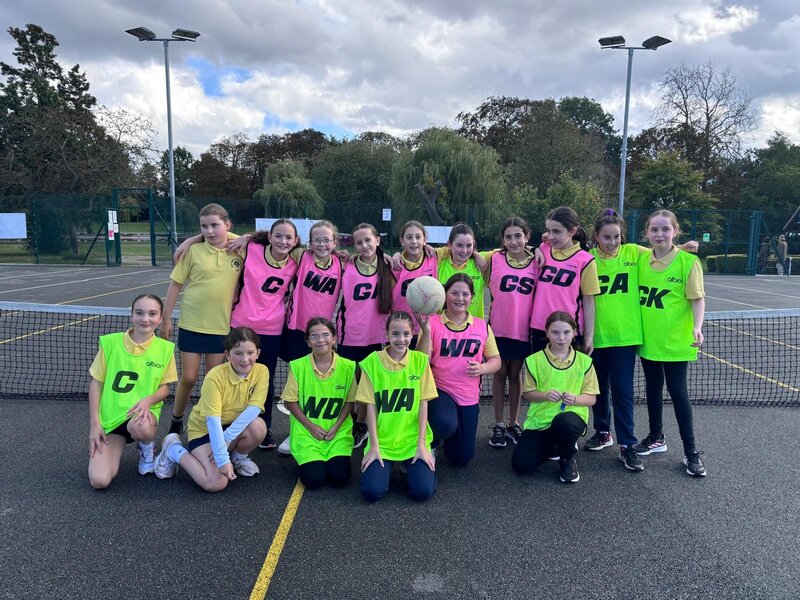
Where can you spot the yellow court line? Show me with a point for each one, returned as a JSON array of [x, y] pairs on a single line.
[[41, 331], [753, 373], [753, 335], [138, 287], [271, 561]]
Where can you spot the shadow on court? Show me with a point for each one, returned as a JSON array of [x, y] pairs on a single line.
[[487, 533]]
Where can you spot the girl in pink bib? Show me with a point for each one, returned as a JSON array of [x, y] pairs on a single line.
[[414, 263], [462, 349]]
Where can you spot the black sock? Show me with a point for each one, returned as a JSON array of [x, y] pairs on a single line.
[[176, 425]]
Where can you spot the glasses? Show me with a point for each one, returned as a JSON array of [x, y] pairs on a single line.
[[315, 337], [323, 241]]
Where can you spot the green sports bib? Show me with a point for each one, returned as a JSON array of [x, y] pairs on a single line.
[[618, 320], [397, 398], [447, 270], [322, 401], [548, 377], [667, 320], [130, 378]]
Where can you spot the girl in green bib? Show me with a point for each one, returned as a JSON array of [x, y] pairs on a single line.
[[130, 377], [561, 385], [396, 385], [319, 393], [672, 306]]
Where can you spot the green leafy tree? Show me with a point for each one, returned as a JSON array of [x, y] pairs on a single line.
[[446, 178], [288, 192], [670, 182], [182, 163]]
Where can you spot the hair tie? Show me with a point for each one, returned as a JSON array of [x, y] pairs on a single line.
[[609, 212]]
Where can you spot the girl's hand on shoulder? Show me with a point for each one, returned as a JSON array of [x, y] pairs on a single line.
[[690, 246], [429, 251], [474, 368], [238, 245], [424, 454], [317, 432], [370, 457], [227, 471], [538, 257], [97, 440], [697, 333], [568, 399], [343, 255], [554, 396], [396, 261], [181, 251]]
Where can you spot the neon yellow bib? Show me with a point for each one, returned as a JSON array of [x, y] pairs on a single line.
[[397, 398], [447, 269], [667, 320], [619, 320], [549, 377], [130, 378], [322, 401]]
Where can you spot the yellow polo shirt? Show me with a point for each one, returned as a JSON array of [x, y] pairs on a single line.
[[209, 276], [694, 283], [224, 394], [427, 386], [589, 385], [100, 366]]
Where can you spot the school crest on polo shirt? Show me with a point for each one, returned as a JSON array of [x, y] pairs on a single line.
[[236, 264]]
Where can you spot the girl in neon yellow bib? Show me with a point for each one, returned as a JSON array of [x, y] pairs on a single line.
[[319, 393]]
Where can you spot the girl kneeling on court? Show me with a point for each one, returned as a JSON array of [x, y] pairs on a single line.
[[224, 425], [319, 393], [396, 385], [130, 377], [561, 385]]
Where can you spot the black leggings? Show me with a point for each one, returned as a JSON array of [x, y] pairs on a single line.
[[336, 471], [655, 372], [536, 445]]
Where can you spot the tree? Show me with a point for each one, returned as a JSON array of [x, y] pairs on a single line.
[[497, 122], [446, 178], [182, 170], [353, 180], [708, 113], [670, 182], [288, 193], [591, 120]]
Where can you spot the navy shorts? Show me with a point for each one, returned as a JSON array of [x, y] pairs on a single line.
[[358, 353], [122, 430], [293, 345], [203, 439], [200, 343], [513, 349]]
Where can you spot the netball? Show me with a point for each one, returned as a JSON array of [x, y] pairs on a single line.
[[425, 295]]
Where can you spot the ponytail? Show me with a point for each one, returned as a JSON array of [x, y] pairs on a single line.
[[386, 283]]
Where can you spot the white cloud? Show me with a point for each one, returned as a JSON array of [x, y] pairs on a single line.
[[702, 23]]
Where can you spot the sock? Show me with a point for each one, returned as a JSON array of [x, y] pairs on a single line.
[[176, 425], [176, 452], [237, 455], [147, 446], [500, 424]]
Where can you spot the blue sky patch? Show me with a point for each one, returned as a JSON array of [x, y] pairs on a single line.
[[210, 75]]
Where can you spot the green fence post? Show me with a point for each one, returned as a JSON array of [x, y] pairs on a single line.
[[152, 227], [752, 246]]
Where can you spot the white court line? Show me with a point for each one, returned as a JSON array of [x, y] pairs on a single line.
[[733, 287], [58, 271], [38, 287], [742, 303]]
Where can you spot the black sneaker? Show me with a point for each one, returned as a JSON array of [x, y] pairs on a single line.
[[630, 459], [568, 471], [360, 434], [514, 433], [600, 440], [694, 464], [269, 442], [498, 439], [651, 445]]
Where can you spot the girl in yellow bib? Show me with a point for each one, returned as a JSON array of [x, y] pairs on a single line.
[[209, 275], [224, 426], [396, 385], [319, 393], [561, 385], [130, 377], [672, 306]]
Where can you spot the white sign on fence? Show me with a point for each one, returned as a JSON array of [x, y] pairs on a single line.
[[13, 226], [438, 234]]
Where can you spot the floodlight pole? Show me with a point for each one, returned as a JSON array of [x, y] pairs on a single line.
[[624, 153], [173, 236]]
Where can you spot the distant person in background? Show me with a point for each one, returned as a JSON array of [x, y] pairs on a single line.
[[763, 255], [782, 250]]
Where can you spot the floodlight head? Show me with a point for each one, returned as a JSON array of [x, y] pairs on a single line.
[[186, 35], [655, 42], [612, 42], [143, 33]]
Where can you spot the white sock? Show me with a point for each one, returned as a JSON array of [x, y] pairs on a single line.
[[175, 452], [237, 455]]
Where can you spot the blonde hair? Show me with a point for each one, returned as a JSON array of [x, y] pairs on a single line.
[[667, 214], [215, 210]]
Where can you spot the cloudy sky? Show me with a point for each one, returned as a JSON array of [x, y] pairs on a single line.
[[347, 66]]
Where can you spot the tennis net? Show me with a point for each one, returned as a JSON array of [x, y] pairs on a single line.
[[749, 357]]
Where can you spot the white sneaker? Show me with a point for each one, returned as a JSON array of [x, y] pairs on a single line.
[[147, 457], [165, 467], [285, 448], [244, 466]]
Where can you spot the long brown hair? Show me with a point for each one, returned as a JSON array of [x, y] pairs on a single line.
[[386, 279]]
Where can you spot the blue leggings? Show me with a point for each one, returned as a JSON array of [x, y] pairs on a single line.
[[270, 346], [614, 367], [375, 480], [456, 425]]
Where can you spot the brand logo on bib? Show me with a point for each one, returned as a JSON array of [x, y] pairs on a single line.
[[629, 264], [341, 387], [674, 280], [150, 363], [414, 377]]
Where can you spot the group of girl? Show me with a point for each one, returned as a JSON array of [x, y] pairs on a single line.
[[415, 378]]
